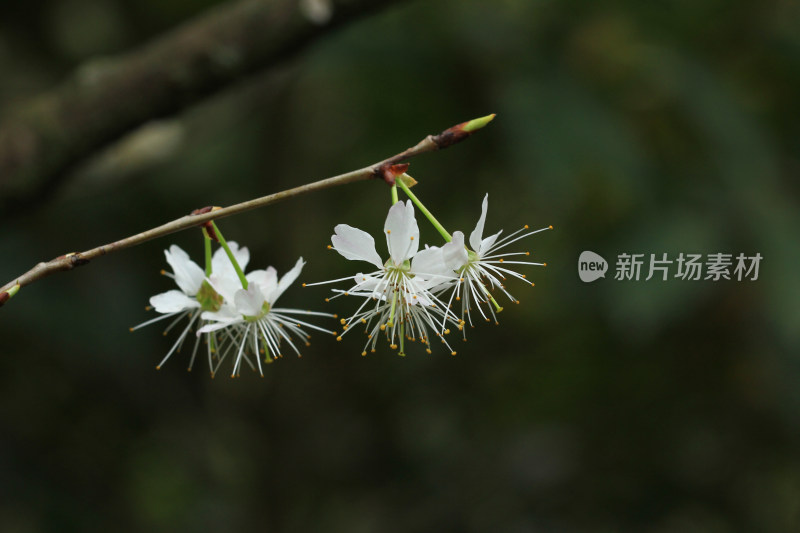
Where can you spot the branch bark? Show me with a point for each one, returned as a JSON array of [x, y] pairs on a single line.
[[40, 141], [385, 170]]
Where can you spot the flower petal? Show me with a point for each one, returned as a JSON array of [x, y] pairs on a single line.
[[455, 254], [353, 243], [188, 275], [487, 243], [287, 279], [249, 302], [476, 236], [172, 302], [222, 266], [225, 285], [267, 280], [429, 263], [402, 232]]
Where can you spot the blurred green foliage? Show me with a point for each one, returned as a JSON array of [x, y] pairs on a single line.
[[643, 127]]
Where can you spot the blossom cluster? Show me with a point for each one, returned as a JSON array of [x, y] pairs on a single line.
[[417, 294], [231, 313], [411, 295]]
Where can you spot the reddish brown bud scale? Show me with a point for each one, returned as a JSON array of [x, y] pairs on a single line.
[[202, 210], [4, 297]]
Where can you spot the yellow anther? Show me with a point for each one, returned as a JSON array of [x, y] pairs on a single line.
[[551, 227], [526, 226], [339, 338], [327, 299], [330, 247], [343, 321], [544, 264], [363, 353], [163, 272], [527, 253], [383, 327], [363, 320], [388, 231], [452, 353], [447, 331]]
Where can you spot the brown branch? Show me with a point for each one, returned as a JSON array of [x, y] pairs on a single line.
[[386, 170], [43, 139]]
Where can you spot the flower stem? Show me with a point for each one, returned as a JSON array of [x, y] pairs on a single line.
[[395, 199], [207, 244], [228, 251], [436, 224]]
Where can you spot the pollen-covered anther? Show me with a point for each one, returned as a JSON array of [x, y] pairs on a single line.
[[501, 260], [525, 226], [447, 331], [162, 272], [343, 321], [452, 353], [330, 247], [363, 353], [550, 227], [544, 264], [527, 253], [302, 284], [307, 344], [383, 327], [327, 299], [339, 338], [393, 346], [363, 320]]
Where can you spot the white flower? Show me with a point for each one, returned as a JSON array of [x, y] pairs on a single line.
[[250, 319], [482, 269], [399, 297], [194, 295]]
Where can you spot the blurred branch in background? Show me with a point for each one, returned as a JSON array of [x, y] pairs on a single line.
[[43, 139]]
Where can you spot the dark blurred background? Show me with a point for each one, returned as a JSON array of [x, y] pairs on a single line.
[[657, 406]]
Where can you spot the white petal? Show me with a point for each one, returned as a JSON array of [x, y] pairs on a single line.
[[172, 302], [487, 243], [267, 280], [476, 236], [222, 266], [354, 243], [219, 325], [287, 279], [188, 275], [429, 264], [455, 255], [249, 302], [226, 314], [402, 232], [225, 285]]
